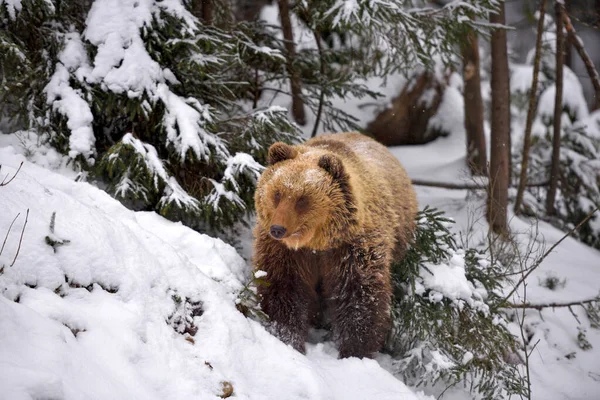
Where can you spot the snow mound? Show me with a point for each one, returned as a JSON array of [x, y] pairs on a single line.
[[91, 318]]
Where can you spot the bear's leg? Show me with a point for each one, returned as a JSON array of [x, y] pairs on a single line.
[[362, 292], [288, 304], [288, 299]]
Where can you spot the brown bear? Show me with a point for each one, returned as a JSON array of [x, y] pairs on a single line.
[[331, 215]]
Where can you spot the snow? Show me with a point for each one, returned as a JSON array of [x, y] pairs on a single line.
[[572, 98], [78, 339], [173, 192], [122, 65], [184, 120], [90, 321], [12, 6], [260, 274], [449, 279], [69, 101], [239, 164]]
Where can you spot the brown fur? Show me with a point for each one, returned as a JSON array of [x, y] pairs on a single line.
[[348, 208]]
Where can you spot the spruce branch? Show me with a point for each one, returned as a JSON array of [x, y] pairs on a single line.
[[425, 321], [543, 257]]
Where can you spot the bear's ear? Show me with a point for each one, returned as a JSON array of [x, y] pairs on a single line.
[[280, 152], [332, 165]]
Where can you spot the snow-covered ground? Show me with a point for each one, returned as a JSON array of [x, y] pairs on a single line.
[[100, 316], [95, 319]]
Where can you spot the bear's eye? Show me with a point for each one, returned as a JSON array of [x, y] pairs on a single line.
[[302, 204], [277, 197]]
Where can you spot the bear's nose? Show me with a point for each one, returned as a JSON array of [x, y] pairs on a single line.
[[277, 231]]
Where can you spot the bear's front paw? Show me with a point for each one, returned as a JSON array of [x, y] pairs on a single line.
[[358, 350], [290, 336]]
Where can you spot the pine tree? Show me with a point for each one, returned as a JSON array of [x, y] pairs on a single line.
[[146, 97], [167, 104]]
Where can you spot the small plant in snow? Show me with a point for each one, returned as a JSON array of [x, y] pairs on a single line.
[[182, 318], [52, 240], [446, 324], [553, 282], [582, 341], [248, 301]]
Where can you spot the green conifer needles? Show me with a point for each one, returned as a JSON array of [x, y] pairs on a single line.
[[445, 320]]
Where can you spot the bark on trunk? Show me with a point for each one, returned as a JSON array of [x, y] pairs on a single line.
[[476, 152], [531, 110], [568, 49], [555, 167], [295, 86], [207, 11], [203, 10], [499, 165]]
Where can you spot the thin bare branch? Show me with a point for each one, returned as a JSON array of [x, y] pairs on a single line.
[[5, 182], [8, 233], [322, 95], [21, 239], [541, 306], [465, 186], [543, 257], [585, 57], [531, 110]]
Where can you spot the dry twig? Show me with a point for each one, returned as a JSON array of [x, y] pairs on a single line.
[[21, 238], [463, 186], [541, 306], [8, 233], [5, 182], [543, 257], [585, 57]]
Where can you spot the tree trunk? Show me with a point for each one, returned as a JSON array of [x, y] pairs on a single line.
[[203, 10], [531, 110], [555, 167], [476, 152], [295, 86], [499, 165], [568, 49]]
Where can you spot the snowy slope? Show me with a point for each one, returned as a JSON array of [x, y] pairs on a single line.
[[90, 321]]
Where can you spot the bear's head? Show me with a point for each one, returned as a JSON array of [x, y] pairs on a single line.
[[304, 198]]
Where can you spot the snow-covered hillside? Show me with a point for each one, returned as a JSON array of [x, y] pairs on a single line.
[[97, 318]]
